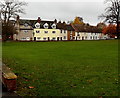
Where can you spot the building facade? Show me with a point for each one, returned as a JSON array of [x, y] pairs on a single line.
[[41, 30], [24, 29]]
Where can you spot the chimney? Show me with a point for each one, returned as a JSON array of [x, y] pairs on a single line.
[[59, 22], [18, 17], [55, 21], [64, 22], [39, 20]]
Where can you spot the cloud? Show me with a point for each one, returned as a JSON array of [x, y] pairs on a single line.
[[65, 10]]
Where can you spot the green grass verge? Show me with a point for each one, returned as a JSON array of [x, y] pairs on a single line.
[[77, 68]]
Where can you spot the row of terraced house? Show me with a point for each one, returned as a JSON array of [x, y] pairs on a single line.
[[41, 30]]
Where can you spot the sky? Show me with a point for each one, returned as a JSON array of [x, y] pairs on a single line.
[[65, 10]]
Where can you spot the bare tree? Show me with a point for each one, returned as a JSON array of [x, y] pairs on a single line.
[[112, 14], [10, 9]]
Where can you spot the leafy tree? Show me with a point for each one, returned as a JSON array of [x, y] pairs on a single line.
[[112, 14], [110, 30], [78, 20], [10, 9]]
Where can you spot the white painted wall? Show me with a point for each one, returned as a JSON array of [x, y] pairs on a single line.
[[87, 36]]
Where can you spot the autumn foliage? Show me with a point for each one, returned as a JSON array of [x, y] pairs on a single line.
[[110, 30], [78, 20]]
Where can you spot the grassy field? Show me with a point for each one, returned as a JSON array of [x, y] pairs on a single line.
[[77, 68]]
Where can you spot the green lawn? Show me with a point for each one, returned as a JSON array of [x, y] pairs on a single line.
[[76, 68]]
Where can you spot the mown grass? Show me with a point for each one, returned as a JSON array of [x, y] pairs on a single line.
[[77, 68]]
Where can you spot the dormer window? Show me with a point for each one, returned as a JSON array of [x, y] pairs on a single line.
[[26, 25], [46, 26], [37, 25], [54, 26]]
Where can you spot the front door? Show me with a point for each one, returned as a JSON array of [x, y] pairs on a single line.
[[48, 39], [57, 38], [61, 38], [76, 38], [82, 38], [34, 38]]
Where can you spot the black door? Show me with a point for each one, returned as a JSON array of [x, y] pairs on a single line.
[[48, 39], [61, 38], [57, 38], [82, 38], [34, 38]]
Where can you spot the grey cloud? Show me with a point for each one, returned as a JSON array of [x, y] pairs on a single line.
[[65, 10]]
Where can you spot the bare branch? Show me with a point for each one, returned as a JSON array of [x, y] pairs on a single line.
[[11, 8]]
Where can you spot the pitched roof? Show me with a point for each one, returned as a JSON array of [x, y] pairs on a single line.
[[65, 26], [86, 28], [29, 22], [48, 22], [61, 26], [69, 27], [33, 22], [78, 27]]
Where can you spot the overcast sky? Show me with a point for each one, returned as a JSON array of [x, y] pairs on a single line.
[[65, 10]]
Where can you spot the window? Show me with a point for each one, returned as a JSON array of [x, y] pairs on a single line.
[[61, 31], [38, 38], [46, 26], [71, 37], [82, 37], [86, 37], [26, 25], [78, 34], [37, 25], [53, 38], [25, 31], [64, 31], [54, 26], [44, 38], [64, 37], [91, 37], [53, 32], [46, 31], [23, 38], [27, 38], [37, 31]]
